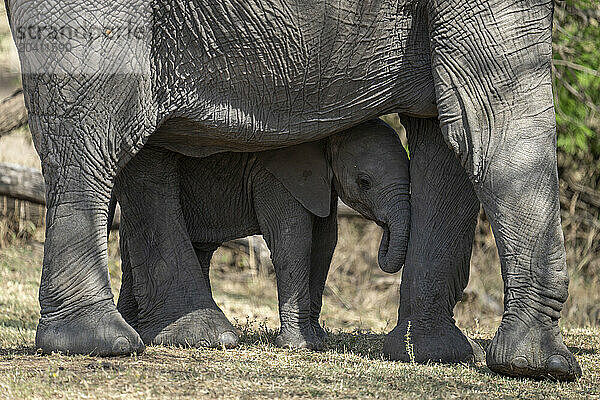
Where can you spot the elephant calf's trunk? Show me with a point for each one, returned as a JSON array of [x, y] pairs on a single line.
[[394, 243]]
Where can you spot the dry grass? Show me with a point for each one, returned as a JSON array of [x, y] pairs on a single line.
[[351, 367], [17, 148], [257, 370]]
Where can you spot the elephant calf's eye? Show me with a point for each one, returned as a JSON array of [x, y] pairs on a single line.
[[364, 182]]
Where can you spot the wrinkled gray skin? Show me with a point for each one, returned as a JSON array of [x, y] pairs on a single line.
[[232, 195], [471, 80]]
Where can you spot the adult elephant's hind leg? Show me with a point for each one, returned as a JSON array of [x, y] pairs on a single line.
[[444, 212], [78, 315], [90, 106], [127, 304], [175, 306]]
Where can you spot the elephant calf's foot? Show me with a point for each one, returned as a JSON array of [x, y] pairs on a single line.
[[200, 328], [531, 350], [299, 338], [443, 343], [99, 332]]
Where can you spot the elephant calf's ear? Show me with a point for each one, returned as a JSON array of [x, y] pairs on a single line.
[[304, 172]]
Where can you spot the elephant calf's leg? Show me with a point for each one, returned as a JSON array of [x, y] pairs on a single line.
[[175, 306], [204, 253], [324, 239], [444, 211], [291, 258], [287, 228]]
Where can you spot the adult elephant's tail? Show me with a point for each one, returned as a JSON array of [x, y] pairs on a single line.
[[112, 208]]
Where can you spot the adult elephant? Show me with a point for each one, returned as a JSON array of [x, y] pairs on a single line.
[[103, 78]]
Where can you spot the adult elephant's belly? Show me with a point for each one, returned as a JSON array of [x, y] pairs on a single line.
[[260, 74]]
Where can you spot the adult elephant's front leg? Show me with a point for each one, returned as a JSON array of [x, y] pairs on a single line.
[[444, 211], [174, 303], [492, 72]]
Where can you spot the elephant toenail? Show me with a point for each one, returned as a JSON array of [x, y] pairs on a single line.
[[228, 340], [519, 362], [122, 345], [558, 364]]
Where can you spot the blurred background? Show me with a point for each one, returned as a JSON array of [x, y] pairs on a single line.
[[358, 296]]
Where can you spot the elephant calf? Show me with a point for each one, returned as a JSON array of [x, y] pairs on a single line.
[[177, 210]]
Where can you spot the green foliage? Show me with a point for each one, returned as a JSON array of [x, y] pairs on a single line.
[[576, 40]]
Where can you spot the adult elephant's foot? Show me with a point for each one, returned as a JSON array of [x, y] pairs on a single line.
[[410, 341], [531, 350], [319, 331], [294, 337], [100, 332], [206, 327]]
